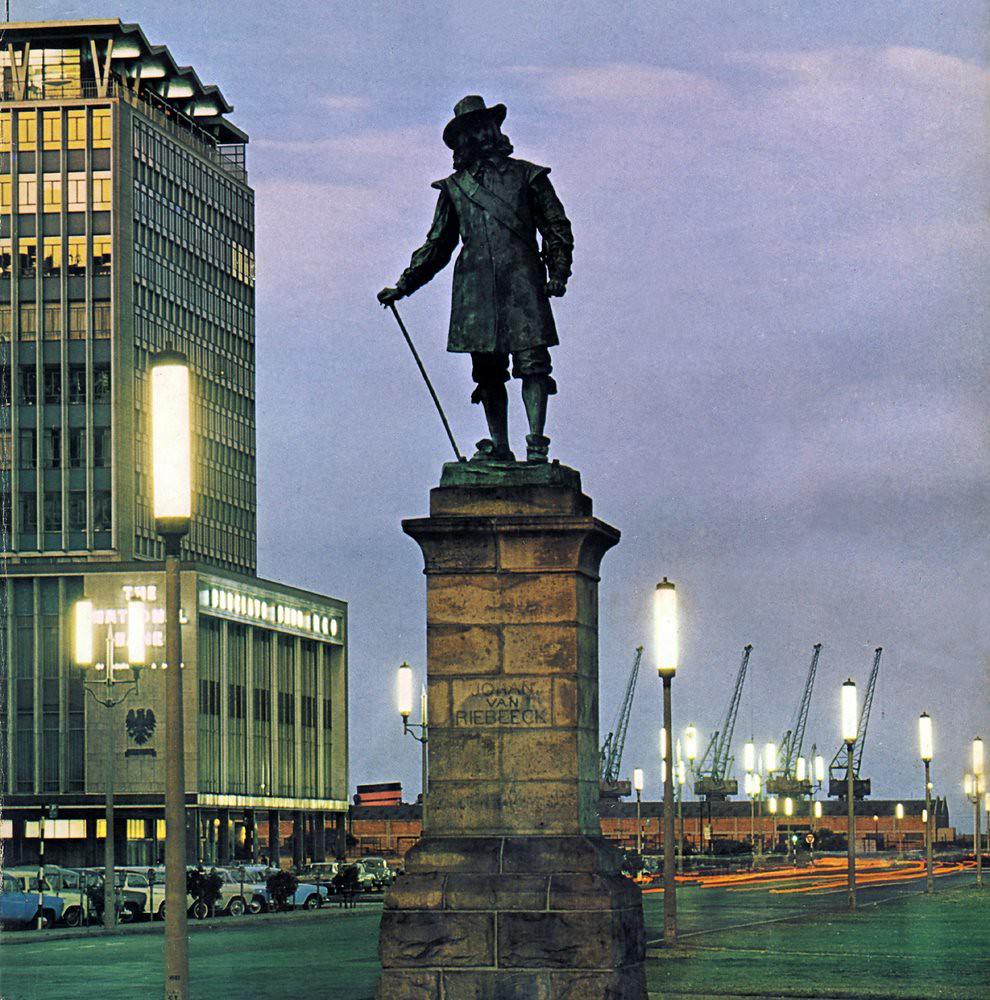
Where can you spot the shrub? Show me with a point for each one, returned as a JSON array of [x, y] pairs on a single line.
[[281, 887]]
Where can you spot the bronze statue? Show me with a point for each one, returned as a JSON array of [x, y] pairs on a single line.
[[495, 205]]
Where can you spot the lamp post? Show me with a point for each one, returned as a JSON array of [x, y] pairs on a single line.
[[681, 778], [666, 640], [405, 699], [691, 753], [927, 744], [772, 806], [986, 808], [849, 725], [817, 814], [83, 650], [898, 816], [876, 833], [171, 449], [789, 812], [638, 786], [977, 795]]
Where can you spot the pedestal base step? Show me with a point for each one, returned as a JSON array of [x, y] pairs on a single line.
[[501, 918]]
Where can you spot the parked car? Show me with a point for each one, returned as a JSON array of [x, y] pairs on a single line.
[[379, 870], [366, 880], [308, 895], [19, 902], [236, 893], [61, 883]]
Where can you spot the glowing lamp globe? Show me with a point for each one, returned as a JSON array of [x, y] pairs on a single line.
[[665, 628]]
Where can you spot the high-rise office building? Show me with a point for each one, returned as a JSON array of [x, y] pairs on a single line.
[[127, 228]]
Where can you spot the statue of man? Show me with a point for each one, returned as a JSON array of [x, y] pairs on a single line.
[[495, 205]]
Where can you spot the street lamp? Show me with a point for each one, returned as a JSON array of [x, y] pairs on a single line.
[[638, 786], [772, 807], [849, 725], [681, 778], [770, 758], [405, 699], [898, 816], [749, 756], [876, 833], [171, 455], [978, 789], [84, 655], [926, 748], [667, 654]]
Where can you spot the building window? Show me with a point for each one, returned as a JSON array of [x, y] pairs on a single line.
[[53, 321], [51, 193], [29, 321], [101, 320], [101, 128], [27, 130], [101, 510], [77, 255], [53, 447], [27, 194], [77, 321], [51, 261], [77, 448], [27, 251], [76, 184], [77, 511], [76, 129], [6, 256], [29, 511], [101, 192], [102, 254], [101, 384], [53, 384], [6, 192], [53, 511], [51, 122], [6, 461], [26, 446], [5, 322], [101, 447], [29, 385], [77, 383]]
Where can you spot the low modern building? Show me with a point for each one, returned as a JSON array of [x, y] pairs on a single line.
[[126, 229], [393, 829]]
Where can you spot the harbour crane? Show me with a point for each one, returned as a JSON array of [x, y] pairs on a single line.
[[611, 753], [837, 770], [713, 781], [786, 782]]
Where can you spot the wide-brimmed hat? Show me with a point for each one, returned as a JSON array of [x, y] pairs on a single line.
[[468, 109]]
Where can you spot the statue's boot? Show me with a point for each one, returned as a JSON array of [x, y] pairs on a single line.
[[535, 390], [495, 400]]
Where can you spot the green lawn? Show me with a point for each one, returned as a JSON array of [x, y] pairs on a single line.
[[912, 946], [799, 945]]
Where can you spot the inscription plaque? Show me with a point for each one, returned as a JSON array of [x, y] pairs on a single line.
[[520, 702]]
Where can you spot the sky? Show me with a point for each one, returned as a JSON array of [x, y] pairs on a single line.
[[772, 367]]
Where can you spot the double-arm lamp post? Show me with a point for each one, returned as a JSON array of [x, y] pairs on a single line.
[[850, 726], [405, 699], [666, 651], [103, 693], [171, 450], [926, 747]]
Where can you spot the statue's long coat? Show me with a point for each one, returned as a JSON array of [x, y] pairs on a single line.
[[499, 301]]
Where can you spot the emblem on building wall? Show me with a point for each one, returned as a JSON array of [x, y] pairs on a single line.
[[140, 725]]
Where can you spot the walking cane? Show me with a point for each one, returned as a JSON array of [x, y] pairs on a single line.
[[426, 379]]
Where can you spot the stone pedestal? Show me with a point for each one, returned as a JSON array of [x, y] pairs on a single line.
[[512, 893]]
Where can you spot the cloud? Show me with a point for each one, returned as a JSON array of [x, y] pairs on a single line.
[[628, 83], [345, 102]]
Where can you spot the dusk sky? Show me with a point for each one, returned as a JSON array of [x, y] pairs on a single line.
[[773, 365]]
